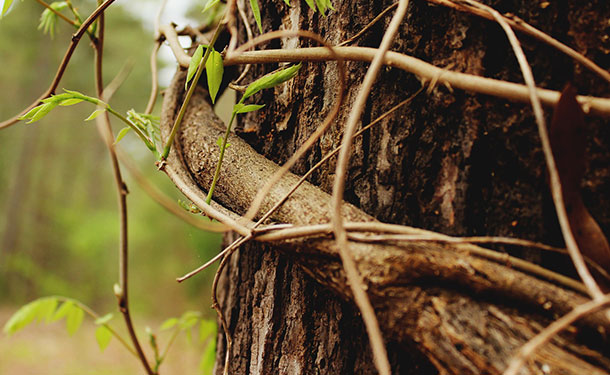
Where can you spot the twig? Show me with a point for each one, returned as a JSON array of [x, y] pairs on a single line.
[[171, 36], [118, 80], [368, 26], [353, 276], [555, 183], [409, 234], [520, 25], [193, 192], [104, 128], [554, 328], [163, 200], [469, 82], [328, 120], [229, 249], [157, 23], [154, 89], [64, 62], [244, 19]]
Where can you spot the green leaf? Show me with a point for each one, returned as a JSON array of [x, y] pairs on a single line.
[[244, 108], [321, 6], [5, 8], [287, 2], [23, 317], [46, 309], [122, 134], [210, 4], [43, 111], [68, 102], [219, 141], [207, 359], [74, 319], [62, 311], [214, 70], [257, 14], [31, 113], [169, 323], [103, 337], [207, 329], [271, 80], [104, 319], [95, 113], [195, 60]]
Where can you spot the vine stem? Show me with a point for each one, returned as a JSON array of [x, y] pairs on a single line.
[[349, 265], [105, 130], [554, 328]]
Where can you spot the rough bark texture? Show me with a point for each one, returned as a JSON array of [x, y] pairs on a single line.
[[452, 162]]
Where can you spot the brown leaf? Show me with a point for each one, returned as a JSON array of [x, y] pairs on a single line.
[[567, 136]]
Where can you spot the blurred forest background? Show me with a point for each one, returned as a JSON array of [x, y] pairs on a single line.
[[59, 222]]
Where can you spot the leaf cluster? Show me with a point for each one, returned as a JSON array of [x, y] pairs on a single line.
[[49, 310], [48, 18]]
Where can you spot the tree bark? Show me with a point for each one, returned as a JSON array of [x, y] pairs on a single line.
[[452, 162]]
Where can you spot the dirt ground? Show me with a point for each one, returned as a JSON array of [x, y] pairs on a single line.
[[48, 349]]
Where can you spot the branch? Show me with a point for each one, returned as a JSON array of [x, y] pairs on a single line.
[[469, 82], [398, 277]]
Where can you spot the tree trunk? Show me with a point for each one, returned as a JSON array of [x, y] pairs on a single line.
[[451, 161]]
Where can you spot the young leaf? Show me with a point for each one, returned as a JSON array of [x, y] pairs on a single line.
[[287, 2], [62, 311], [20, 319], [219, 142], [210, 4], [46, 309], [5, 8], [103, 337], [271, 80], [169, 323], [74, 319], [94, 114], [104, 319], [121, 134], [31, 113], [214, 70], [257, 14], [43, 111], [195, 60], [244, 108], [67, 102], [48, 18]]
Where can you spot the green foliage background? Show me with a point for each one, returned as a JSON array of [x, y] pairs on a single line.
[[59, 223]]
